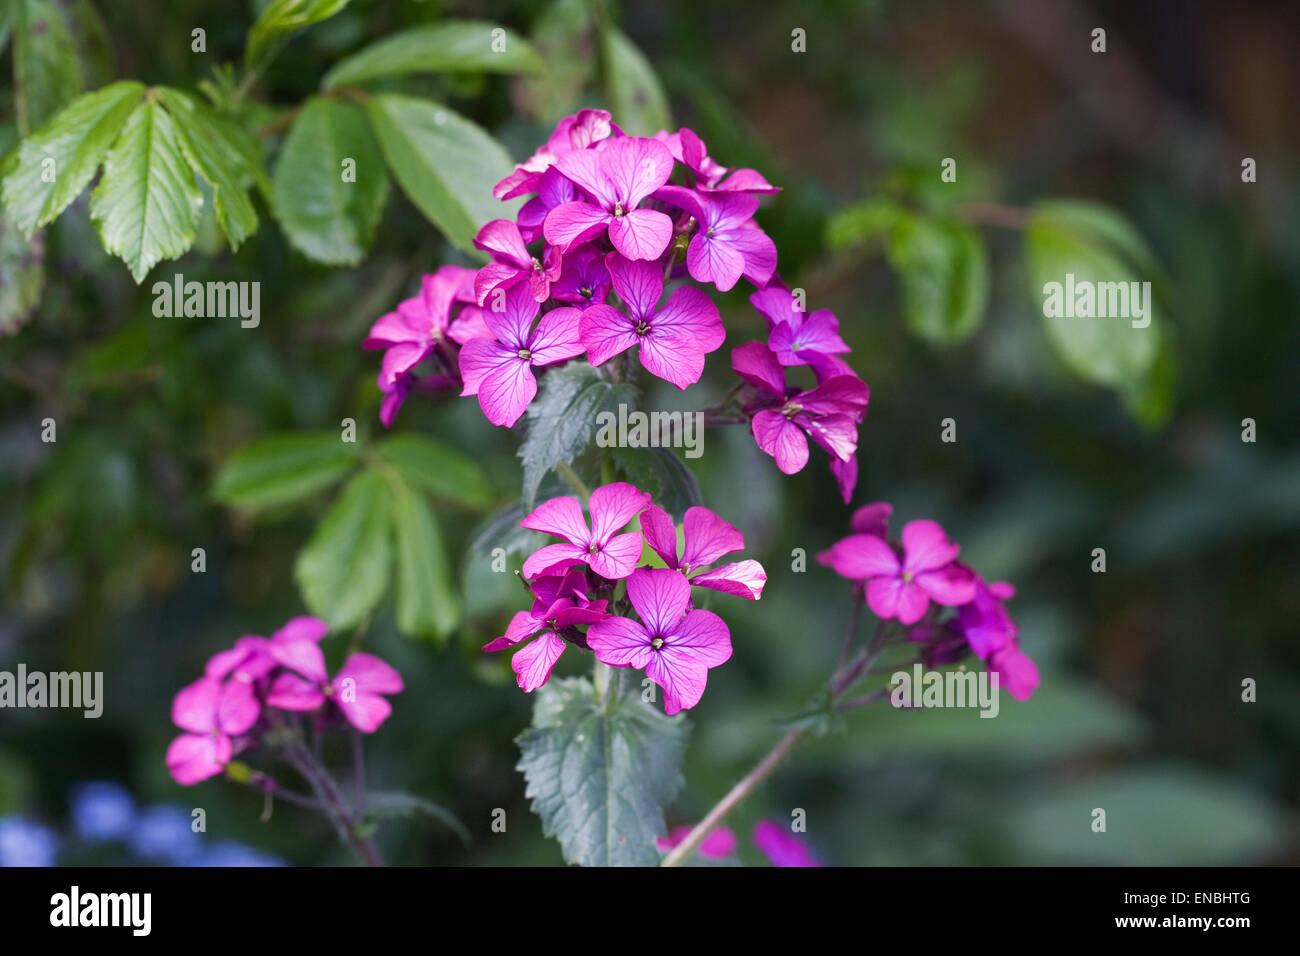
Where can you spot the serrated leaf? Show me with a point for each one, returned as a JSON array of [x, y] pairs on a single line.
[[448, 46], [326, 218], [343, 570], [206, 140], [439, 469], [427, 604], [278, 21], [944, 273], [47, 70], [637, 98], [279, 469], [385, 804], [561, 421], [444, 163], [664, 474], [76, 140], [1109, 350], [146, 206], [22, 275], [600, 781]]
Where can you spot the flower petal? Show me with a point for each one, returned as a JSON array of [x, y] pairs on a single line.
[[534, 662], [861, 556], [606, 332], [612, 506], [661, 597], [195, 706], [620, 642], [742, 578], [641, 233], [782, 439], [708, 537], [926, 546]]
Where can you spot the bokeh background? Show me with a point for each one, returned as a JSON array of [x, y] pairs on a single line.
[[1140, 708]]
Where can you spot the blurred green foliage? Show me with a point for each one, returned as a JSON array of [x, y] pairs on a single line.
[[163, 423]]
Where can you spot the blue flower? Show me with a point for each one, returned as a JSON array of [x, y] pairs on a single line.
[[23, 843], [163, 833], [230, 853], [102, 810]]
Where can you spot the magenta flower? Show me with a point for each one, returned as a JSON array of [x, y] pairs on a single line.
[[673, 340], [872, 518], [415, 331], [830, 413], [781, 846], [511, 263], [727, 243], [584, 280], [1016, 672], [616, 177], [600, 547], [928, 571], [250, 659], [689, 150], [357, 689], [560, 602], [984, 622], [499, 370], [675, 645], [212, 713], [579, 131], [708, 538], [718, 845], [806, 338], [552, 190]]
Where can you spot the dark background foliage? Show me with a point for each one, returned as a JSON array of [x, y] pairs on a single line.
[[1140, 709]]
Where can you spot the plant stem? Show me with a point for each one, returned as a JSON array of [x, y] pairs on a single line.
[[565, 471], [994, 214], [335, 807], [737, 793]]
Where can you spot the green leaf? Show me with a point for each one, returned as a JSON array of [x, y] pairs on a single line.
[[344, 569], [561, 421], [439, 469], [1101, 225], [76, 141], [1108, 351], [861, 223], [209, 144], [1164, 815], [448, 46], [445, 164], [279, 469], [664, 474], [386, 804], [600, 780], [47, 70], [944, 273], [325, 217], [22, 275], [427, 605], [1151, 400], [637, 98], [146, 207], [278, 21]]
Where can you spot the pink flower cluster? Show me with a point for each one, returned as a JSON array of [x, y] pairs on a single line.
[[913, 580], [615, 218], [574, 583], [223, 711]]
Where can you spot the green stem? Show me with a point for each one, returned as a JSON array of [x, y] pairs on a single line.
[[565, 471]]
